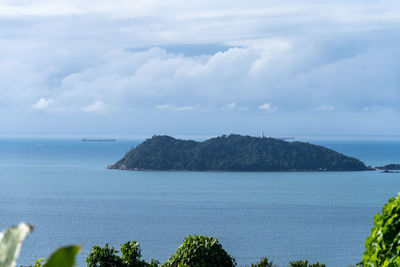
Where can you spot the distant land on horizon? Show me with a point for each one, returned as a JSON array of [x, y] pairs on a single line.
[[391, 166], [234, 153]]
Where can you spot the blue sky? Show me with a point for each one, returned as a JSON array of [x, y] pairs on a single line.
[[200, 67]]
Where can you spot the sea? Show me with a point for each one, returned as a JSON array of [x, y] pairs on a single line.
[[61, 186]]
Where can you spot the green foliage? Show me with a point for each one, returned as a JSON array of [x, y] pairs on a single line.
[[264, 262], [199, 251], [103, 257], [383, 245], [39, 263], [305, 264], [234, 153], [108, 256], [131, 254], [10, 243], [153, 263], [63, 257], [298, 264]]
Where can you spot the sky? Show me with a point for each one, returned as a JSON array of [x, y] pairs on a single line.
[[288, 67]]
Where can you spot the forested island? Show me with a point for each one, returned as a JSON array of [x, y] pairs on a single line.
[[234, 153], [389, 167]]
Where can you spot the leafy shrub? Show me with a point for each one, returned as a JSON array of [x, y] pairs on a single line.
[[108, 256], [305, 264], [264, 262], [103, 257], [131, 254], [199, 251], [317, 264], [383, 245]]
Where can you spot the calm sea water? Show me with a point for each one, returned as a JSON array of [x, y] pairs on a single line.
[[62, 187]]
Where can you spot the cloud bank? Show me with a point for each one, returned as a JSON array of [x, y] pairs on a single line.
[[239, 64]]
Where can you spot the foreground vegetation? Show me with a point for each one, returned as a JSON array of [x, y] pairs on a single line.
[[382, 249], [234, 153], [195, 251]]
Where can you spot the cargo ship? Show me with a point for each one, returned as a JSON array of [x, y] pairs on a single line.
[[98, 139]]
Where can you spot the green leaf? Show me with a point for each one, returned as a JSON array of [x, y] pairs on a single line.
[[11, 242], [63, 257], [382, 246]]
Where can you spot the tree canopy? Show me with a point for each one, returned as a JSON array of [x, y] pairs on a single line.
[[199, 251]]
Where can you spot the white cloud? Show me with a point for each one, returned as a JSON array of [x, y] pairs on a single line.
[[298, 77], [376, 108], [231, 105], [177, 108], [298, 55], [42, 103], [165, 106], [187, 108], [95, 106], [39, 9], [324, 108], [267, 107]]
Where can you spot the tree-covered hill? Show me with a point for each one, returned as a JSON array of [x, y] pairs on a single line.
[[234, 153], [389, 167]]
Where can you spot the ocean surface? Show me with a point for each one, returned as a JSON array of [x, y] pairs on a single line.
[[62, 187]]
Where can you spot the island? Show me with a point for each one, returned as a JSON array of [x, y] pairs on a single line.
[[389, 167], [234, 153]]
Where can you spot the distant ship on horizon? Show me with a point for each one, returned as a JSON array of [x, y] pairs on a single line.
[[85, 139]]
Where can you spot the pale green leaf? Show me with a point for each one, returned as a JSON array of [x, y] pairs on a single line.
[[11, 242]]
